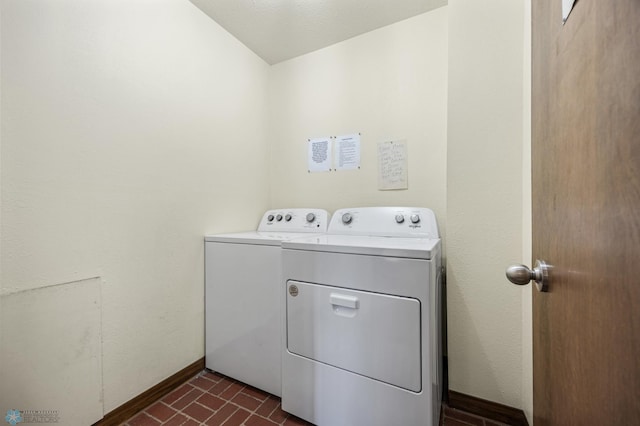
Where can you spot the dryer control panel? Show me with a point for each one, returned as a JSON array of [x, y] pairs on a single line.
[[294, 220], [403, 222]]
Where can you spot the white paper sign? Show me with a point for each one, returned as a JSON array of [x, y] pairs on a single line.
[[347, 152], [319, 155], [567, 6], [392, 165]]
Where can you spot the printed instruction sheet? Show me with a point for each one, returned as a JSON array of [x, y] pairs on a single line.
[[347, 152], [319, 155]]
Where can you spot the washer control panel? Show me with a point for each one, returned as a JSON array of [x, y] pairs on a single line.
[[295, 220], [406, 222]]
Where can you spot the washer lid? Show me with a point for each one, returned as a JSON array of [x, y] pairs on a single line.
[[414, 248], [255, 237]]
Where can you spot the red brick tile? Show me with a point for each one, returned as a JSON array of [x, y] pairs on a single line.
[[231, 391], [278, 415], [187, 399], [295, 421], [221, 386], [222, 415], [197, 411], [246, 401], [237, 418], [191, 422], [268, 406], [256, 393], [142, 419], [160, 411], [176, 420], [202, 383], [176, 394], [212, 375], [258, 421], [211, 401]]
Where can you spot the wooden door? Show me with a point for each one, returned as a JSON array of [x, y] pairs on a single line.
[[586, 212]]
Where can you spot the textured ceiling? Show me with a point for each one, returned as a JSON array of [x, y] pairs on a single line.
[[277, 30]]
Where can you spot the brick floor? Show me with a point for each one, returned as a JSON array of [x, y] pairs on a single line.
[[215, 400]]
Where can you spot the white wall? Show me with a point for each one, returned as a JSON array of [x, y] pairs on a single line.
[[132, 128], [485, 198], [527, 301], [129, 130], [386, 84]]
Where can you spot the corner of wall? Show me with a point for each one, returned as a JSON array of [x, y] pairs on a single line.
[[527, 319], [485, 198]]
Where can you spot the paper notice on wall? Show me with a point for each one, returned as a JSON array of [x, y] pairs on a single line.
[[347, 152], [319, 155], [567, 7], [392, 165]]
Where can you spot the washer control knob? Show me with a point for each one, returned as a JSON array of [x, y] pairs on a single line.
[[270, 218], [399, 218], [347, 218], [311, 217], [279, 217], [287, 217], [415, 218]]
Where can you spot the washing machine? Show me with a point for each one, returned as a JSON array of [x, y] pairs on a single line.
[[243, 336], [361, 321]]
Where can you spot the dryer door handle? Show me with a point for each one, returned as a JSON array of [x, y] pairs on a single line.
[[351, 302]]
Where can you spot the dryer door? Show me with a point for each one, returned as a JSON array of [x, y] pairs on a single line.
[[371, 334]]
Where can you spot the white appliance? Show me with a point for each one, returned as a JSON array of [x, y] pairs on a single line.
[[362, 320], [242, 298]]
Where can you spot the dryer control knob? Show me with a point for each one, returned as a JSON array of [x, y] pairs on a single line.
[[311, 217], [287, 217], [415, 218], [399, 218], [347, 218], [279, 217], [270, 218]]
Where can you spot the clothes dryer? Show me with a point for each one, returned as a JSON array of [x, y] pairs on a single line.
[[242, 298], [362, 320]]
